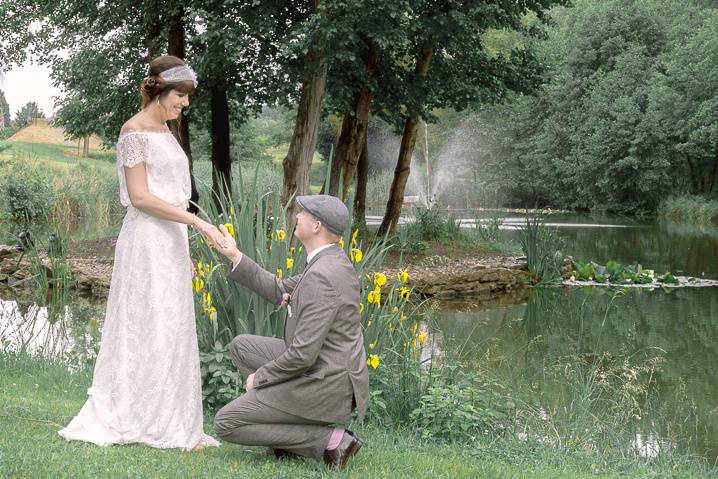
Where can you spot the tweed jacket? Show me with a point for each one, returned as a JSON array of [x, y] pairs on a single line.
[[323, 369]]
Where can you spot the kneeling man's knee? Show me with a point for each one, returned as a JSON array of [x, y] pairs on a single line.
[[223, 425], [237, 347]]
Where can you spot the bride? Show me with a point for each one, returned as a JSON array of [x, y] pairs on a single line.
[[146, 386]]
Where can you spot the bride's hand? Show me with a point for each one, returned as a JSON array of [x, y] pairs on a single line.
[[210, 232]]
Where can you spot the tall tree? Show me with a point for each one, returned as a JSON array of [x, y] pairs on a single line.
[[301, 147], [4, 110], [445, 63], [30, 111], [684, 103]]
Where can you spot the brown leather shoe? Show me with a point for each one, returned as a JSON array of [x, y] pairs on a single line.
[[283, 453], [348, 446]]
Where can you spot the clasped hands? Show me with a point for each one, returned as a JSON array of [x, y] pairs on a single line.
[[219, 238]]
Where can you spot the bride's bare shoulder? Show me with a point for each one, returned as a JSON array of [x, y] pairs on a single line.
[[135, 123]]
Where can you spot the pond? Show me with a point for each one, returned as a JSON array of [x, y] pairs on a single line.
[[645, 356], [660, 343]]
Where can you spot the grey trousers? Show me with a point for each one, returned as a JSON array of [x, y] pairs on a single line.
[[248, 421]]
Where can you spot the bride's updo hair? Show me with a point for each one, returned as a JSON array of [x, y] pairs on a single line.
[[153, 86]]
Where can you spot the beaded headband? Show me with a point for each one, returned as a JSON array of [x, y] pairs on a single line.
[[179, 74]]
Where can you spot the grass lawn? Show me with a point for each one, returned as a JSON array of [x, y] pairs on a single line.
[[37, 398], [58, 158]]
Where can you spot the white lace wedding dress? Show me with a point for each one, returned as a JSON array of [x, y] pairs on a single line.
[[146, 386]]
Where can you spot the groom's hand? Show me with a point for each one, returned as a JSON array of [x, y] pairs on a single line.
[[250, 383], [229, 246]]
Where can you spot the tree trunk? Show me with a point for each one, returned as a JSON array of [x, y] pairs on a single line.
[[715, 166], [428, 165], [221, 161], [403, 163], [304, 139], [154, 28], [362, 178], [86, 146], [354, 125], [692, 173], [180, 128]]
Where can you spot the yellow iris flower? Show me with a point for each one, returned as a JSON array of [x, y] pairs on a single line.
[[402, 276], [230, 229], [404, 293], [356, 255], [341, 243], [280, 235], [279, 273], [198, 284], [374, 297], [379, 279], [290, 263], [361, 308], [373, 361]]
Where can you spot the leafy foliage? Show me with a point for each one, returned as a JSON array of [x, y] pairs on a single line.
[[29, 112], [541, 246], [4, 110], [26, 192], [221, 382], [625, 117], [432, 224], [617, 273], [461, 412]]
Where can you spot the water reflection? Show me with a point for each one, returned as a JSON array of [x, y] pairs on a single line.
[[56, 329], [654, 348]]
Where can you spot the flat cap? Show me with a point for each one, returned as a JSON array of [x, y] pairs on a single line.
[[328, 209]]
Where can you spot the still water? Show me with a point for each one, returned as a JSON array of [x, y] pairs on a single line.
[[657, 347], [645, 357]]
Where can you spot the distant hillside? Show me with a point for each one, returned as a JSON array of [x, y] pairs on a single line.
[[40, 132]]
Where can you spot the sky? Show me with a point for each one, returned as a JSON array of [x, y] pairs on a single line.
[[28, 83]]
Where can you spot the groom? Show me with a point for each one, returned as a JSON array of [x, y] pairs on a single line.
[[300, 387]]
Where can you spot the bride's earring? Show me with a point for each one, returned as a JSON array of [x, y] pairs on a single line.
[[158, 99]]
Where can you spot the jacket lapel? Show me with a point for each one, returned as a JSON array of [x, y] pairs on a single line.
[[332, 249]]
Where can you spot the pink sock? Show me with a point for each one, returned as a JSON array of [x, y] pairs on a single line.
[[336, 438]]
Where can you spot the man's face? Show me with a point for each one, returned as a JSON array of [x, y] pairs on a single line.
[[307, 225]]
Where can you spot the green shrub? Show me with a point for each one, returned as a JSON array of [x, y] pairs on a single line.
[[454, 412], [696, 210], [541, 246], [26, 193], [221, 382], [7, 132], [490, 229], [431, 224]]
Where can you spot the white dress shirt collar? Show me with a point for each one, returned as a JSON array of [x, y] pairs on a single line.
[[311, 255]]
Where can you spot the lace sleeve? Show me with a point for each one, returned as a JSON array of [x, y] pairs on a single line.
[[132, 149]]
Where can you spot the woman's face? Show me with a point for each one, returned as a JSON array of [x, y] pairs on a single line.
[[174, 102]]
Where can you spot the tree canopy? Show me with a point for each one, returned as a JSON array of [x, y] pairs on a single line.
[[626, 115], [30, 111]]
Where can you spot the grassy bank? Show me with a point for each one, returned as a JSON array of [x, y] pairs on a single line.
[[38, 397], [695, 210]]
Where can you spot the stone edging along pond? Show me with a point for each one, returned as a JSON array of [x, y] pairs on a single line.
[[485, 278], [480, 279]]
